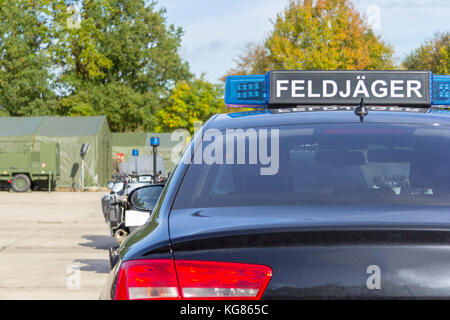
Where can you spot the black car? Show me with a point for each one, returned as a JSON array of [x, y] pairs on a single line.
[[334, 205]]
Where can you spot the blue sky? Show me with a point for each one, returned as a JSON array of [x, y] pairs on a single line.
[[217, 30]]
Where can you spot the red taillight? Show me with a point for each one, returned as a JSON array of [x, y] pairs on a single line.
[[157, 279], [147, 279], [222, 280]]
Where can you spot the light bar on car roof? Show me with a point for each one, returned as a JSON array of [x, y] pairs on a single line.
[[251, 90], [419, 88], [440, 91]]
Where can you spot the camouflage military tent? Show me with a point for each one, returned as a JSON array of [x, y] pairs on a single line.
[[70, 133]]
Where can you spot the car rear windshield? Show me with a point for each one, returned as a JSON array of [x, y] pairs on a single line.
[[325, 164]]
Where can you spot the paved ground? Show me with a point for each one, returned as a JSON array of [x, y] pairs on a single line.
[[45, 239]]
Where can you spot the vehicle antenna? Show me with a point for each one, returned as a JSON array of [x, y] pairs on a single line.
[[361, 110]]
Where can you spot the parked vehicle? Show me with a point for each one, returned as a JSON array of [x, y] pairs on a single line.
[[351, 201], [115, 204], [134, 173], [25, 166]]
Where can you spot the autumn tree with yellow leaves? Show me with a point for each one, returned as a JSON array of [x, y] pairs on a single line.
[[189, 102], [322, 34], [433, 55]]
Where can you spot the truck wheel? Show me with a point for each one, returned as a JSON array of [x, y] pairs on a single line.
[[21, 183]]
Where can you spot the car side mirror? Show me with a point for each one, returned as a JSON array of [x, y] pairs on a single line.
[[145, 198]]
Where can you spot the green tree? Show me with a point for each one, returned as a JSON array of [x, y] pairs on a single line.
[[126, 109], [433, 54], [329, 34], [120, 58], [25, 79], [189, 102]]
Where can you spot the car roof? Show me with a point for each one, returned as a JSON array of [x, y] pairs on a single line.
[[317, 115]]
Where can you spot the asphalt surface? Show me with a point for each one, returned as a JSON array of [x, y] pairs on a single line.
[[52, 245]]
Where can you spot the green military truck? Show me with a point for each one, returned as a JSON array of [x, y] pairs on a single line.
[[27, 165]]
